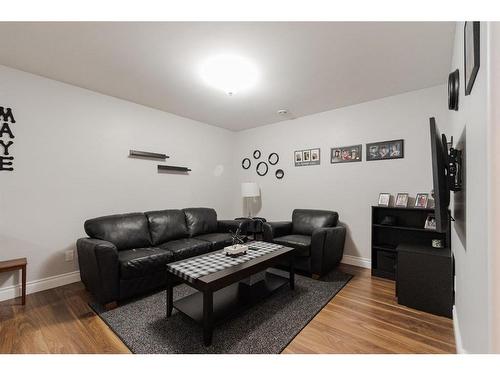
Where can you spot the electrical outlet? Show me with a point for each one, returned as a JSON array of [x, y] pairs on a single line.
[[69, 255]]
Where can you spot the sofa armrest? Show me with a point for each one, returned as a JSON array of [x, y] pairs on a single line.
[[224, 226], [272, 230], [327, 248], [99, 271]]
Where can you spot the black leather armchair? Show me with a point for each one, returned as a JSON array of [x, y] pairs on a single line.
[[316, 236], [125, 255]]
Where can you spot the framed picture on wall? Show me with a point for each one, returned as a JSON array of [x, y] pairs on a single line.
[[298, 157], [306, 155], [346, 154], [385, 150], [315, 154], [471, 54], [310, 156]]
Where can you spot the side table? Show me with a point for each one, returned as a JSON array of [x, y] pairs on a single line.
[[14, 265]]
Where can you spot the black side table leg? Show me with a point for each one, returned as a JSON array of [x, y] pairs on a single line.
[[292, 271], [207, 317], [170, 295]]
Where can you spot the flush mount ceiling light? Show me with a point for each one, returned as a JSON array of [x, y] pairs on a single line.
[[229, 73]]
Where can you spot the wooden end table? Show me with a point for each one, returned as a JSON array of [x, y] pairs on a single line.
[[14, 265]]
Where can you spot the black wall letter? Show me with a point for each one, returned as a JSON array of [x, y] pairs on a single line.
[[6, 146], [5, 163], [6, 129], [7, 114]]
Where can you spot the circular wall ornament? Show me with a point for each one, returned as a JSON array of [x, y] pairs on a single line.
[[246, 163], [262, 168], [256, 154], [453, 90], [273, 158], [279, 174]]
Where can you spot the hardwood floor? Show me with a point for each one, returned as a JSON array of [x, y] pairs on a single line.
[[363, 318]]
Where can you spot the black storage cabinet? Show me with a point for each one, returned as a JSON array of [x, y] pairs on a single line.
[[424, 278]]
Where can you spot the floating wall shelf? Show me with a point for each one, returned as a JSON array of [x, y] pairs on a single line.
[[164, 168], [144, 154]]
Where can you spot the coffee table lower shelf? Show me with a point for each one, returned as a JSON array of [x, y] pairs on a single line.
[[231, 300]]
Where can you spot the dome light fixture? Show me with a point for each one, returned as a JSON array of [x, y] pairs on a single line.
[[229, 73]]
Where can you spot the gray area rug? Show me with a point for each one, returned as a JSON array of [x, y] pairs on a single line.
[[265, 328]]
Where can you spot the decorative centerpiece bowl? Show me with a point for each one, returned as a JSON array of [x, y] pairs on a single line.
[[235, 250]]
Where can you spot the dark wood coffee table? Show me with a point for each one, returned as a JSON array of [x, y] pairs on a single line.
[[225, 292]]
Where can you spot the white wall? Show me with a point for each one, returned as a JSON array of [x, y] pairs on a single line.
[[351, 188], [494, 212], [471, 259], [494, 174], [71, 163]]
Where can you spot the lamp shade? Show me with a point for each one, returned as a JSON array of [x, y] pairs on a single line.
[[250, 189]]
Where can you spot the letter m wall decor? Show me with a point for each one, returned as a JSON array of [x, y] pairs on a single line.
[[6, 139]]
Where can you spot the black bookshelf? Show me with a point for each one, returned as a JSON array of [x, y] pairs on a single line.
[[407, 228]]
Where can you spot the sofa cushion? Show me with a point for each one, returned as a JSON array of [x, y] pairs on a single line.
[[142, 262], [200, 220], [166, 225], [306, 221], [217, 240], [186, 248], [300, 242], [125, 231]]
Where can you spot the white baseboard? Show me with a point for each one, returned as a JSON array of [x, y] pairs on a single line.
[[34, 286], [456, 331], [357, 261]]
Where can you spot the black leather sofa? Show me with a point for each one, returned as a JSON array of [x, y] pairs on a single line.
[[125, 255], [316, 235]]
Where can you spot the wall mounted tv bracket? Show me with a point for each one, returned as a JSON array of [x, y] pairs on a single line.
[[454, 166]]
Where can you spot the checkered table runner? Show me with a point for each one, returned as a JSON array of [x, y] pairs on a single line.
[[194, 268]]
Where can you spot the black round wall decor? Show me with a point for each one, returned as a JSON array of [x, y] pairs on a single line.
[[262, 168], [273, 158], [256, 154], [453, 90], [279, 174], [246, 163]]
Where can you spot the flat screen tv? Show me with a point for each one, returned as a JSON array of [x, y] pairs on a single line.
[[440, 163]]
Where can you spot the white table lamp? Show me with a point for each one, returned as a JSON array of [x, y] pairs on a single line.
[[249, 190]]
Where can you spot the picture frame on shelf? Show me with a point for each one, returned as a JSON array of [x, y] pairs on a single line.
[[430, 222], [421, 200], [384, 199], [346, 154], [386, 150], [401, 200]]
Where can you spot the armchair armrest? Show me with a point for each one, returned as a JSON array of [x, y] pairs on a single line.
[[99, 271], [327, 248], [224, 226], [271, 230]]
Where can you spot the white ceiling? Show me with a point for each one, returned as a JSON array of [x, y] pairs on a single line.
[[305, 67]]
